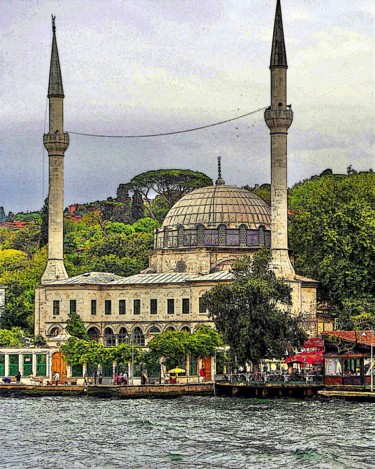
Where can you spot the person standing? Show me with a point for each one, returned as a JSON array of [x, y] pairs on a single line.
[[18, 377], [202, 374], [57, 378], [100, 377]]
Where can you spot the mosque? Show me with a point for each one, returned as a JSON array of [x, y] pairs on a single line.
[[200, 238]]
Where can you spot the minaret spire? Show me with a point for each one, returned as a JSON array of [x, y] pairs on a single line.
[[279, 118], [278, 52], [55, 86], [56, 142], [219, 180]]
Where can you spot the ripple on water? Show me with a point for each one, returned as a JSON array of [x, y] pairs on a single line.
[[199, 432]]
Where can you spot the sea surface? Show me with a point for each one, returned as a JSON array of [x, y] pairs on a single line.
[[187, 432]]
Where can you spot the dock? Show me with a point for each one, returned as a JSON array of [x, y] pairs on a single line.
[[108, 391], [348, 394]]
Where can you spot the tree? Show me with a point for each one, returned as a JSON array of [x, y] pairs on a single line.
[[44, 224], [251, 312], [137, 206], [171, 184], [11, 338], [75, 326], [332, 233]]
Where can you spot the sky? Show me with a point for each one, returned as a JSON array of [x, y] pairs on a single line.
[[134, 67]]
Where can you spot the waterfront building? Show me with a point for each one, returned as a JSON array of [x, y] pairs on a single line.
[[200, 238]]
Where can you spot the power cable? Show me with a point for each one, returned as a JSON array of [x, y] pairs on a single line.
[[168, 133]]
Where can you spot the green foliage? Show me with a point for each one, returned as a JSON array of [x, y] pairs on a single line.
[[21, 283], [263, 191], [11, 338], [171, 184], [75, 326], [251, 313], [177, 344], [333, 235], [28, 217], [12, 259], [160, 207], [77, 351]]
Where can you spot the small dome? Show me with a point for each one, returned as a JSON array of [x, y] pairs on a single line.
[[215, 205]]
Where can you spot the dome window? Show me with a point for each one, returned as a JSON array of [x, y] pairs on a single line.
[[222, 235], [243, 235], [261, 235], [180, 235], [200, 235]]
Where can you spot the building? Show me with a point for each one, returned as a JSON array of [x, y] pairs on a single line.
[[201, 237]]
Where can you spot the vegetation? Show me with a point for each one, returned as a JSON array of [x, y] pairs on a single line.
[[78, 351], [75, 326], [11, 338], [170, 184], [252, 312], [333, 235]]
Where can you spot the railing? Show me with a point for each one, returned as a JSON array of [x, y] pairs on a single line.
[[250, 379]]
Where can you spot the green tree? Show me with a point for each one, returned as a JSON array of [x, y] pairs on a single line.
[[44, 224], [11, 338], [333, 235], [75, 326], [171, 184], [251, 312]]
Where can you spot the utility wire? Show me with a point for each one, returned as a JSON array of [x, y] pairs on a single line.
[[168, 133]]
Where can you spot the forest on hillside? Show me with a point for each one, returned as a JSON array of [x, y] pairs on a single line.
[[331, 232]]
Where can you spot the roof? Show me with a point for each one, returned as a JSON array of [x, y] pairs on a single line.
[[102, 278], [220, 204], [55, 86], [278, 52], [89, 278], [360, 337]]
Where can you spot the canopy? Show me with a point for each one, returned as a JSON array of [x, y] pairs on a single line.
[[307, 358]]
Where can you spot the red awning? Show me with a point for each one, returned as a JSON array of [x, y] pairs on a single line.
[[307, 358], [314, 342]]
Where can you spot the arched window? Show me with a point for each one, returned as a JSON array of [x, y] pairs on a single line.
[[139, 338], [165, 242], [55, 331], [261, 235], [200, 235], [243, 234], [154, 330], [170, 328], [94, 333], [180, 235], [109, 337], [186, 328], [222, 235], [123, 335]]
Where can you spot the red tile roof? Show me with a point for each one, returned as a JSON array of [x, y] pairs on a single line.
[[359, 337]]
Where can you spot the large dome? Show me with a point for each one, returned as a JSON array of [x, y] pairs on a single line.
[[216, 205]]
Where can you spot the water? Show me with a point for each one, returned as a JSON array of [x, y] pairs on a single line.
[[189, 432]]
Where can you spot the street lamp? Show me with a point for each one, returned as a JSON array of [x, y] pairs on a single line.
[[130, 339], [371, 329]]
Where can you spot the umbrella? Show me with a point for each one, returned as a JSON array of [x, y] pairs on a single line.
[[310, 358], [176, 371]]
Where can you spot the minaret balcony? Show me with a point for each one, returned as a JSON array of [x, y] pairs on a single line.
[[57, 143], [278, 120]]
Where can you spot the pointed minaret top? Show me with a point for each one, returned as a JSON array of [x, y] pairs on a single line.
[[219, 181], [55, 86], [278, 53]]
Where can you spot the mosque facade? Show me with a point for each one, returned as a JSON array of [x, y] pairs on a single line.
[[203, 234]]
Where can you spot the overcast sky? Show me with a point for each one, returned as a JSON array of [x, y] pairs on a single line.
[[147, 66]]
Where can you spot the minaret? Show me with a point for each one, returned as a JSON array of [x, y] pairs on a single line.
[[56, 142], [279, 118]]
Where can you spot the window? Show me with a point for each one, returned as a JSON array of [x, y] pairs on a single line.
[[108, 307], [122, 307], [202, 306], [170, 305], [56, 307], [137, 306], [73, 306], [93, 307], [153, 306], [185, 306]]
